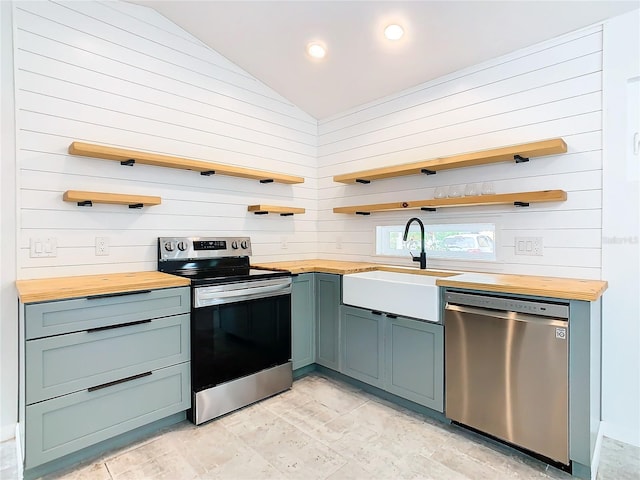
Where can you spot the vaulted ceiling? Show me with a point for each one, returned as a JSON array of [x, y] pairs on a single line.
[[268, 40]]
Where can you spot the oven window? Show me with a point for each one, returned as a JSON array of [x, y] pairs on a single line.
[[233, 340]]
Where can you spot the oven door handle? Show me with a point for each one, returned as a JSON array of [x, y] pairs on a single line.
[[203, 299]]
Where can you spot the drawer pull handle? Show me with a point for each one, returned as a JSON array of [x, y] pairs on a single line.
[[116, 294], [119, 325], [389, 315], [116, 382], [375, 312]]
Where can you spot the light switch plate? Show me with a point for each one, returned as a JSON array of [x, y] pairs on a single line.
[[43, 247], [531, 246]]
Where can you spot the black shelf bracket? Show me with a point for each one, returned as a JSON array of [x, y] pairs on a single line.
[[267, 180], [426, 171], [260, 213], [85, 203], [363, 213], [286, 214], [521, 204], [136, 205], [428, 209], [520, 159], [128, 163], [207, 173], [363, 181]]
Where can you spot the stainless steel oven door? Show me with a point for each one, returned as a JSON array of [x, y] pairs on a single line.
[[240, 291], [239, 329]]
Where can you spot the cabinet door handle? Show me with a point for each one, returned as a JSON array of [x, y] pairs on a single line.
[[375, 312], [119, 325], [391, 316], [116, 294], [116, 382]]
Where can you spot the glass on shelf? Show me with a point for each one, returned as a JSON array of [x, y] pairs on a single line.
[[488, 188], [456, 191], [472, 189]]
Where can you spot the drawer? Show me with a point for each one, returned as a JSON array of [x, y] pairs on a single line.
[[66, 316], [69, 423], [76, 361]]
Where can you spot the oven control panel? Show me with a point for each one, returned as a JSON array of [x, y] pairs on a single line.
[[175, 248]]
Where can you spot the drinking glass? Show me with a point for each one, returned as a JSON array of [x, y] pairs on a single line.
[[488, 188]]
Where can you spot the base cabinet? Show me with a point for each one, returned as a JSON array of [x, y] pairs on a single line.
[[401, 355], [362, 345], [414, 361], [328, 299], [303, 320], [95, 368]]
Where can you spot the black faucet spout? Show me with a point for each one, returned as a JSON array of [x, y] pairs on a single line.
[[423, 254]]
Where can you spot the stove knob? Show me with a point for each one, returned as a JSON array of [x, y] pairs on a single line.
[[234, 245], [169, 246], [244, 244], [182, 246]]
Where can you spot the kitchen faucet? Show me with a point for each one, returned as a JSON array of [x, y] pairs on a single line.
[[423, 255]]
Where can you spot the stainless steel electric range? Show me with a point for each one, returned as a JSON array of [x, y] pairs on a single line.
[[240, 323]]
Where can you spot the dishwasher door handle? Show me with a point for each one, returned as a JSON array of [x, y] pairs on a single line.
[[515, 316]]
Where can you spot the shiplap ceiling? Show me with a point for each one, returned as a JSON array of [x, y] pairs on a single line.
[[268, 40]]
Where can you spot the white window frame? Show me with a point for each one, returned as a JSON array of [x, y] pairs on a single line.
[[444, 261]]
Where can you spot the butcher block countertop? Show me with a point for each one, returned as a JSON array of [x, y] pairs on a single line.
[[565, 288], [59, 288], [319, 266]]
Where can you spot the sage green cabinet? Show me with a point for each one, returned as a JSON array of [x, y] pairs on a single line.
[[414, 361], [400, 355], [362, 345], [94, 368], [328, 299], [303, 320]]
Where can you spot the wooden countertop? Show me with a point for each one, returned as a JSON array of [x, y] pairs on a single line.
[[320, 266], [565, 288], [58, 288]]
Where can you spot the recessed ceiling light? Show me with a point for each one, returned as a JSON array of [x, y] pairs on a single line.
[[393, 32], [316, 50]]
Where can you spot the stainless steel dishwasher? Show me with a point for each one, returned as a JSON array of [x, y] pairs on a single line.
[[506, 370]]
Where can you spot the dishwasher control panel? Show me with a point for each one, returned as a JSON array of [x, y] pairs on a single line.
[[546, 309]]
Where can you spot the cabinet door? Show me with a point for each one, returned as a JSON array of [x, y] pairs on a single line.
[[415, 361], [328, 297], [303, 320], [362, 345]]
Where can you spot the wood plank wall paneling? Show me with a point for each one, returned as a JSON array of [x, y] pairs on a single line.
[[120, 74], [550, 90]]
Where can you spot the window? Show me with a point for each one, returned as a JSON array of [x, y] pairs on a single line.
[[462, 241]]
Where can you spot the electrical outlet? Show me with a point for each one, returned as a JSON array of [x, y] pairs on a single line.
[[338, 243], [531, 246], [283, 243], [43, 247], [102, 246]]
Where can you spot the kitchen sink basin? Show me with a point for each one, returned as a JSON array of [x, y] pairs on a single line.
[[410, 295]]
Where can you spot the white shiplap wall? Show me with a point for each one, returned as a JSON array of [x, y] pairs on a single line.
[[549, 90], [119, 74]]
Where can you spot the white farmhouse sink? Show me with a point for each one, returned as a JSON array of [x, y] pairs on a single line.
[[397, 293]]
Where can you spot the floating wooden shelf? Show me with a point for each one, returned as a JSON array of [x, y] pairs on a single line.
[[518, 153], [131, 157], [87, 199], [283, 211], [522, 199]]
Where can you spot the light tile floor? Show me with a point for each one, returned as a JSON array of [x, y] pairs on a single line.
[[324, 429]]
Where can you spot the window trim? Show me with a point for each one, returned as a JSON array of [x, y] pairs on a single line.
[[447, 262]]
